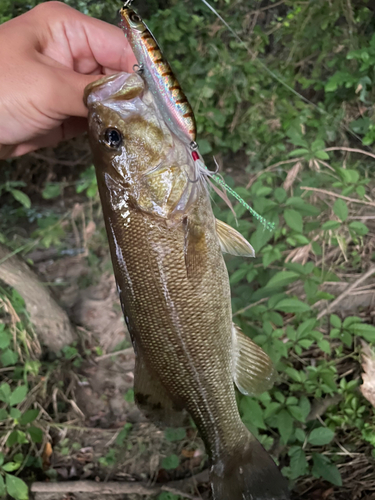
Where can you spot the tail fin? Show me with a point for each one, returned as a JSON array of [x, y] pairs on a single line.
[[248, 475]]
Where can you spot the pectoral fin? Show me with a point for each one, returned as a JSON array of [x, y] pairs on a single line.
[[254, 372], [152, 398], [231, 241], [195, 246]]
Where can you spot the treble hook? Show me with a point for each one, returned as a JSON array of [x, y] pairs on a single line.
[[128, 3]]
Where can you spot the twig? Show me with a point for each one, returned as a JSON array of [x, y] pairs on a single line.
[[241, 311], [347, 291], [271, 167], [351, 150], [112, 488], [129, 350], [330, 193]]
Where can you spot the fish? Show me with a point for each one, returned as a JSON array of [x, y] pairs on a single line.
[[172, 102], [167, 253]]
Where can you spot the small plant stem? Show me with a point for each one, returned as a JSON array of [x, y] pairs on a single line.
[[350, 150], [331, 193], [347, 291]]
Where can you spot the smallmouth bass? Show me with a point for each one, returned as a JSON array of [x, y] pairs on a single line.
[[166, 248]]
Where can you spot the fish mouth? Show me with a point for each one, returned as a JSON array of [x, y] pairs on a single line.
[[113, 87]]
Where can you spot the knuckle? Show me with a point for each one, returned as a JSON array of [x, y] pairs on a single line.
[[50, 7]]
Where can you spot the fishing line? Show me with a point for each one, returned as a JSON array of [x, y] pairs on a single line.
[[268, 225]]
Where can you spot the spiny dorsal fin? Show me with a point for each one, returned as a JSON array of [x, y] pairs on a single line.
[[254, 372], [231, 241]]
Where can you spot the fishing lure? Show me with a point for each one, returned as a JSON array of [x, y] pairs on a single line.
[[170, 98]]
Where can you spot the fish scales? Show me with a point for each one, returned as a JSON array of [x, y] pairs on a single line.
[[166, 248]]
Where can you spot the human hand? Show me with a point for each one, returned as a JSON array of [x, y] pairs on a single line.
[[47, 57]]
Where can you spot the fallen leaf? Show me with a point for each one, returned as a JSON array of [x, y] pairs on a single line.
[[46, 455], [368, 377]]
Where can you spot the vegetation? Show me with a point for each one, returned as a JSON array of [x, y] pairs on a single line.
[[288, 115]]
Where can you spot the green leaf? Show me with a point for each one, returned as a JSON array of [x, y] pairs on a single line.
[[324, 468], [204, 147], [298, 462], [28, 417], [238, 275], [2, 487], [298, 152], [5, 338], [321, 155], [52, 190], [8, 358], [21, 197], [175, 434], [331, 224], [129, 396], [166, 495], [16, 437], [170, 462], [364, 330], [16, 487], [36, 434], [325, 346], [18, 395], [292, 306], [296, 413], [359, 228], [5, 392], [11, 466], [123, 434], [252, 413], [282, 278], [335, 321], [3, 414], [340, 209], [317, 145], [285, 425], [320, 436], [15, 413], [294, 220]]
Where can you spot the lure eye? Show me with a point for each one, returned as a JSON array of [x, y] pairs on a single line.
[[135, 18], [112, 138]]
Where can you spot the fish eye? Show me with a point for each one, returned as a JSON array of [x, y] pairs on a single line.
[[112, 138], [135, 18]]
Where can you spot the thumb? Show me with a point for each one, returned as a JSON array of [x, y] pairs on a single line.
[[66, 97]]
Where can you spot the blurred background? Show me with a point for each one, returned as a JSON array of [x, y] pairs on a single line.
[[289, 116]]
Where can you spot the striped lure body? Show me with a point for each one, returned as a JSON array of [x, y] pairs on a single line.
[[160, 79]]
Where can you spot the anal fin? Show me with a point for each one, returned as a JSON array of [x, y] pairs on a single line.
[[231, 241], [253, 369], [152, 398]]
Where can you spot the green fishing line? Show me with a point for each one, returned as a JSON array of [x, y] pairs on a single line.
[[268, 225]]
